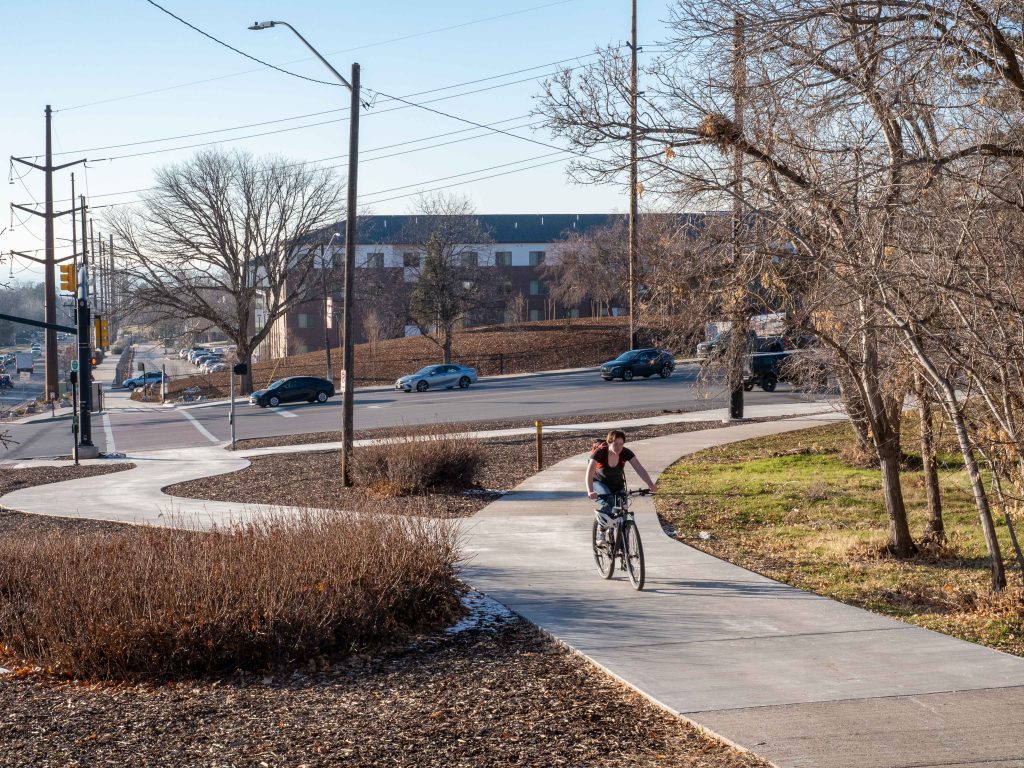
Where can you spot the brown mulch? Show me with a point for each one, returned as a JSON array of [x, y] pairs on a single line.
[[312, 479], [464, 426], [480, 698], [13, 479]]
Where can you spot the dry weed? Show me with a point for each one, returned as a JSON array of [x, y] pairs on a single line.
[[418, 462]]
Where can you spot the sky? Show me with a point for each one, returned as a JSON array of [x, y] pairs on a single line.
[[121, 72]]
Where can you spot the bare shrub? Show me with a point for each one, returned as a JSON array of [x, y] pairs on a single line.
[[158, 602], [418, 462]]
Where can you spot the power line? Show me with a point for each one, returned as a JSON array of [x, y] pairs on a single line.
[[238, 51], [332, 53]]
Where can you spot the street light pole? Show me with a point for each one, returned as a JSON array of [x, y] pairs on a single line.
[[347, 373]]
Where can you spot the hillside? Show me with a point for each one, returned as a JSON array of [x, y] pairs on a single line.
[[492, 350]]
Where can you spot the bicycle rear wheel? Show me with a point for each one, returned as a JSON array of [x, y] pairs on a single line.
[[633, 549], [602, 554]]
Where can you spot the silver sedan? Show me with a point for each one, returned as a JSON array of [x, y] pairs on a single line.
[[444, 376]]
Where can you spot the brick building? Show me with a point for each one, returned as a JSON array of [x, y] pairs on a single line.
[[519, 247]]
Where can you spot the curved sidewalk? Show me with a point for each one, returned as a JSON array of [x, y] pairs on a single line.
[[796, 678]]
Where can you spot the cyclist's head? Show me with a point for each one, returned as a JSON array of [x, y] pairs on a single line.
[[616, 435]]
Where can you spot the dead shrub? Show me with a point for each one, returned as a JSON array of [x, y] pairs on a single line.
[[160, 603], [418, 462]]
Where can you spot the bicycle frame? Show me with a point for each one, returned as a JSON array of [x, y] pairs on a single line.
[[628, 555]]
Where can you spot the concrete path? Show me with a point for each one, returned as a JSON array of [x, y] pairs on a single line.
[[136, 495], [796, 678]]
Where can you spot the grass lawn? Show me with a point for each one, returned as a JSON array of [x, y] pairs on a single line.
[[794, 508]]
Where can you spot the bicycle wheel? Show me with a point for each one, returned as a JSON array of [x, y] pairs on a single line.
[[602, 554], [634, 554]]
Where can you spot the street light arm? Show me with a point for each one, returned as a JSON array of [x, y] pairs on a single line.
[[268, 24]]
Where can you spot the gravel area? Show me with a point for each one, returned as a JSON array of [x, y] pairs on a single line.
[[499, 696], [13, 479], [312, 479], [465, 426]]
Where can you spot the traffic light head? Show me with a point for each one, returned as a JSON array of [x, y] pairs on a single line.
[[69, 277]]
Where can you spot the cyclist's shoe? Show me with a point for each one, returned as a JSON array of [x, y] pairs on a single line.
[[599, 540]]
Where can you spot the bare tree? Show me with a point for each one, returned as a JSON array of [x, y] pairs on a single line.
[[452, 283], [590, 265], [221, 238]]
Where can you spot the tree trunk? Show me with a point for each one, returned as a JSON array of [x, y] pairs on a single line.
[[980, 497], [936, 529], [243, 355], [447, 346], [900, 544], [854, 405]]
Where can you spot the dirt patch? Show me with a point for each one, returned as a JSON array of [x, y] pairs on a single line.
[[478, 698], [312, 479]]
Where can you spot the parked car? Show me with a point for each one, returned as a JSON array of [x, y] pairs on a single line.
[[150, 377], [639, 362], [293, 389], [200, 359], [448, 376], [216, 367], [6, 382]]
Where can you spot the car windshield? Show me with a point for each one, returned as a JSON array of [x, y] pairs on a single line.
[[277, 383], [628, 356], [425, 371]]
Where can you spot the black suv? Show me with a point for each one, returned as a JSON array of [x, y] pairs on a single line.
[[639, 362], [292, 390]]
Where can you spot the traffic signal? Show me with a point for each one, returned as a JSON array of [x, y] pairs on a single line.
[[101, 329], [69, 277]]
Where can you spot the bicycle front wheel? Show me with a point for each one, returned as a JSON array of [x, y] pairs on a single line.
[[633, 550], [602, 554]]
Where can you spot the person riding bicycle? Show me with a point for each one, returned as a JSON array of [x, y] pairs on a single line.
[[606, 475]]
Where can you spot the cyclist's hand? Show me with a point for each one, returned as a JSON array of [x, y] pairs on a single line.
[[592, 495]]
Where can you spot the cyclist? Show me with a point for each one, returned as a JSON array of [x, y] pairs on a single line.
[[606, 475]]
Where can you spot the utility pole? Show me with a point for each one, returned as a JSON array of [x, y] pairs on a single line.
[[348, 356], [50, 298], [738, 337], [634, 224], [86, 449]]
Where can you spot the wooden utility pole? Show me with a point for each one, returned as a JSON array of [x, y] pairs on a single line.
[[634, 224], [740, 320], [50, 280]]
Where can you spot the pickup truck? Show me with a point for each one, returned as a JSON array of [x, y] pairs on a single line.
[[24, 361], [763, 370]]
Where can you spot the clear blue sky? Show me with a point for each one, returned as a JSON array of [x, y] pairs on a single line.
[[121, 71]]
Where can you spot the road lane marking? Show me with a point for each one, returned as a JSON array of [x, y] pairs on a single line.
[[108, 432], [287, 414], [202, 430]]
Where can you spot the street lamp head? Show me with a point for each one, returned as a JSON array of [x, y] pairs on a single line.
[[262, 24]]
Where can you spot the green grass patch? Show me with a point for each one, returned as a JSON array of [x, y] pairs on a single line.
[[794, 508]]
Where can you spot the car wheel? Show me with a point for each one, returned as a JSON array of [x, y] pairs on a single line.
[[422, 386], [274, 401], [321, 397], [464, 382], [666, 371], [131, 386], [627, 375], [768, 382], [748, 386]]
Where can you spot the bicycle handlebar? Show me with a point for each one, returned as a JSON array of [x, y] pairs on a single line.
[[641, 492]]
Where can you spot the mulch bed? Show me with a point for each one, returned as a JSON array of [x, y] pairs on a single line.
[[312, 479], [465, 426], [14, 479], [508, 697]]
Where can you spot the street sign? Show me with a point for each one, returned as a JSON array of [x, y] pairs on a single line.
[[342, 379], [74, 365]]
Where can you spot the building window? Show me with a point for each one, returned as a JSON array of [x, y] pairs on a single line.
[[375, 260], [411, 260], [536, 314], [536, 258], [470, 259], [537, 288], [303, 320], [503, 258]]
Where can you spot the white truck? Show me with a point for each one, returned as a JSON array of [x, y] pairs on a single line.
[[23, 361]]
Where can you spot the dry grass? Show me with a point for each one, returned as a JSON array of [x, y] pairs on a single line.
[[154, 602], [417, 463]]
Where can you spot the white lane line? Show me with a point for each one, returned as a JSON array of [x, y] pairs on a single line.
[[287, 414], [202, 430], [108, 432]]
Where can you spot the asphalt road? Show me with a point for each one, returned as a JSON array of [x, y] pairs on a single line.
[[542, 397]]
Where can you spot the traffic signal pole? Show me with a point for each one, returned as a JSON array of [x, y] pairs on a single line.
[[86, 449]]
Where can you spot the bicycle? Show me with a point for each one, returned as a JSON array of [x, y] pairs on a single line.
[[621, 541]]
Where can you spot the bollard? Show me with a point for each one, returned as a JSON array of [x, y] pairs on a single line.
[[540, 444]]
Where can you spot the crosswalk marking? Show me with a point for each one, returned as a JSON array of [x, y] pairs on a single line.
[[202, 430], [287, 414], [109, 433]]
